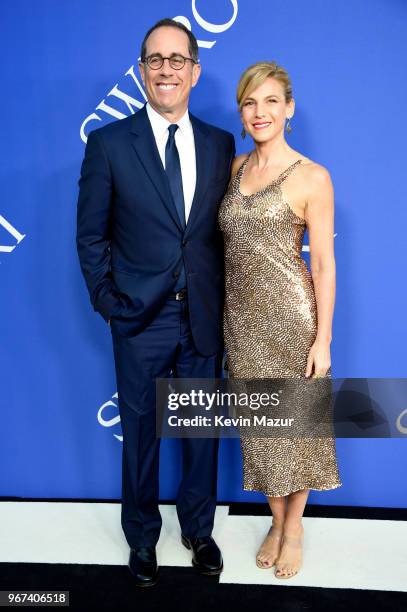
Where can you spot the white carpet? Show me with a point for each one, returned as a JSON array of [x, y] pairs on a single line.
[[341, 553]]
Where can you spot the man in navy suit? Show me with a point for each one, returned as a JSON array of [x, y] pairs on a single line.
[[152, 257]]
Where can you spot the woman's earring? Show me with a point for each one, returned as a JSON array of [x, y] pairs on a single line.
[[288, 127], [243, 133]]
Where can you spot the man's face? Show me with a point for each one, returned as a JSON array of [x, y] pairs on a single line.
[[168, 89]]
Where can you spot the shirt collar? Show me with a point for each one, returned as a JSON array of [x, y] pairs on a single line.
[[160, 125]]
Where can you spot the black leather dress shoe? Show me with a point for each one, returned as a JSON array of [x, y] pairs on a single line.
[[143, 565], [207, 557]]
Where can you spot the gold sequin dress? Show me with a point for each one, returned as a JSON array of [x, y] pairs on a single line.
[[270, 324]]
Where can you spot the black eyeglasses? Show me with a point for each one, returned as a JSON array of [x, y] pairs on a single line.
[[177, 62]]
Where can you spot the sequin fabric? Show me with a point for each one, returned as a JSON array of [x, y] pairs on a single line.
[[270, 324]]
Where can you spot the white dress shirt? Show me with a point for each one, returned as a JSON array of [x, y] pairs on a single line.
[[184, 139]]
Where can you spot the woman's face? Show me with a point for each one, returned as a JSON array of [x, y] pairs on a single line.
[[264, 111]]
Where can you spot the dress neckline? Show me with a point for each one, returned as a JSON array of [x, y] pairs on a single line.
[[280, 178]]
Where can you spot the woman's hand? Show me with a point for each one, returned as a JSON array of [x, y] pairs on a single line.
[[319, 360]]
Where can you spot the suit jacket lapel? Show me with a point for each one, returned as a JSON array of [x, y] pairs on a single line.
[[145, 146], [202, 168]]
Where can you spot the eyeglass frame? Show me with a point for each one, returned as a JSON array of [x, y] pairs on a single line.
[[158, 55]]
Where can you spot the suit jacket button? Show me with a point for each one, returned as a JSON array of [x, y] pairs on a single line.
[[184, 242], [175, 274]]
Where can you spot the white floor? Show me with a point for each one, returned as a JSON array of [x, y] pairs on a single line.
[[341, 553]]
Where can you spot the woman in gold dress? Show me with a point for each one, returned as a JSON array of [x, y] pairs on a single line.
[[278, 314]]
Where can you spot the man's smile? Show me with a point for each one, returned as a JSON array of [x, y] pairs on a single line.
[[167, 86]]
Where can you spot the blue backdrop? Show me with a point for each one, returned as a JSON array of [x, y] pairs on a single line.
[[71, 66]]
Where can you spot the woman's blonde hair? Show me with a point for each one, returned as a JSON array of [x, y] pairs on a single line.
[[256, 74]]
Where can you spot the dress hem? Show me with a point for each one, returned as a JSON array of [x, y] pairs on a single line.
[[294, 490]]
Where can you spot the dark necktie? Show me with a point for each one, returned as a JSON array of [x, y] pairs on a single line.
[[173, 170]]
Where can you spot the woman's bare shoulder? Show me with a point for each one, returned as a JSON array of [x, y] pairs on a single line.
[[316, 182], [237, 163], [314, 172]]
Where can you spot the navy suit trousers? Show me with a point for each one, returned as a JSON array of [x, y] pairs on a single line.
[[163, 347]]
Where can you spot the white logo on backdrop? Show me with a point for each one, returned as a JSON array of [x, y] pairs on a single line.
[[133, 103], [112, 421], [402, 428], [18, 237]]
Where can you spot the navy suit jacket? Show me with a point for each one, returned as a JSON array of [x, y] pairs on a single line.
[[129, 239]]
